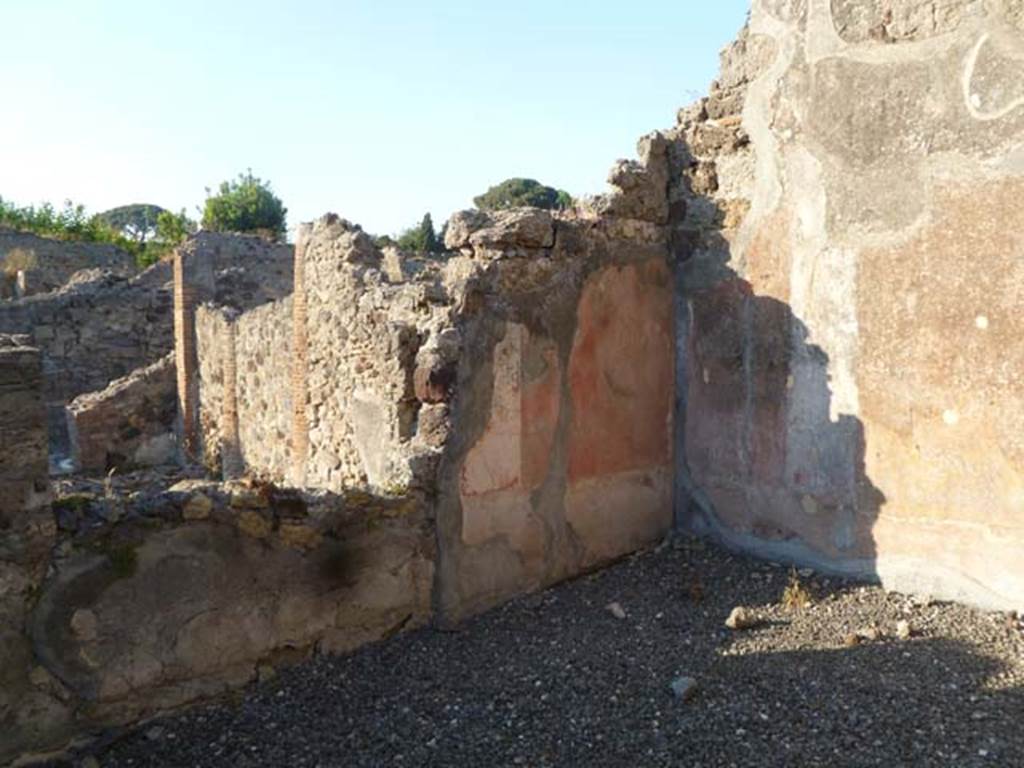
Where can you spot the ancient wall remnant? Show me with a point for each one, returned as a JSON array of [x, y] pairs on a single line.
[[47, 265], [196, 590], [238, 272], [92, 331], [362, 337], [131, 423], [95, 331], [852, 273], [797, 311], [245, 403], [560, 455], [26, 536], [524, 381]]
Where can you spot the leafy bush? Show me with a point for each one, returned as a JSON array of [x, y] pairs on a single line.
[[246, 204], [173, 228], [520, 193]]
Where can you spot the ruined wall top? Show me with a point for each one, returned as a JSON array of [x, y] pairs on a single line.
[[49, 264]]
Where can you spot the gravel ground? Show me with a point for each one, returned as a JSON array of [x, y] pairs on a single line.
[[556, 679]]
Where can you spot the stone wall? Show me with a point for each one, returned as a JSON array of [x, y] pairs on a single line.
[[53, 262], [237, 272], [361, 338], [560, 452], [199, 589], [129, 424], [245, 365], [91, 332], [847, 211], [524, 382], [95, 331], [26, 535]]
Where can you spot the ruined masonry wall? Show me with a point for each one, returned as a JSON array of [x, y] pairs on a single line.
[[853, 277], [26, 534], [263, 341], [526, 382], [23, 459], [561, 450], [128, 424], [211, 329], [96, 331], [362, 337], [238, 272], [53, 262]]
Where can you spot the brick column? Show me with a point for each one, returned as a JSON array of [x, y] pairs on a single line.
[[193, 284], [185, 357], [230, 450], [300, 362]]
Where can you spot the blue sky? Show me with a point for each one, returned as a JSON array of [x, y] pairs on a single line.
[[378, 111]]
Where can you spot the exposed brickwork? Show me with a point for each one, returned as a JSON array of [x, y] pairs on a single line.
[[231, 455], [299, 443], [185, 356]]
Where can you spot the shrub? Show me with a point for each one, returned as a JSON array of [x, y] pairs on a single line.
[[246, 204]]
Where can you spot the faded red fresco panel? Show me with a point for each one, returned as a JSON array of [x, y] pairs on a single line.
[[542, 381], [621, 372]]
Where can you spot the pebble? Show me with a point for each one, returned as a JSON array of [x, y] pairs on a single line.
[[616, 610], [870, 634], [741, 618], [903, 629], [684, 688]]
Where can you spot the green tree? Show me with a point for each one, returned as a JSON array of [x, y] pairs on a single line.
[[173, 228], [246, 204], [522, 193], [170, 231], [422, 239], [137, 222]]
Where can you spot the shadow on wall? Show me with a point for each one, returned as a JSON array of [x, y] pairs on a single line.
[[766, 463]]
